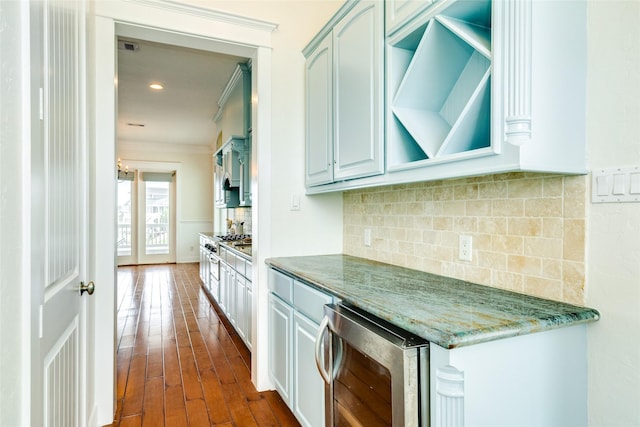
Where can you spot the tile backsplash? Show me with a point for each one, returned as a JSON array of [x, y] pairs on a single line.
[[235, 214], [528, 230]]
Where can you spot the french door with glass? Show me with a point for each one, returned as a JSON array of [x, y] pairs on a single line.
[[146, 218]]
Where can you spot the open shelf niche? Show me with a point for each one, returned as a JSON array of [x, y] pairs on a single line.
[[439, 87]]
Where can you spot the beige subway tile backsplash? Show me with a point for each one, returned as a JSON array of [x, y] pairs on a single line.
[[528, 230]]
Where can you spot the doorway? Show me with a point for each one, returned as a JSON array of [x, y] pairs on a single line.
[[146, 213], [222, 33]]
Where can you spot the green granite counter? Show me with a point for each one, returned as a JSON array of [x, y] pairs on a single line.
[[449, 312]]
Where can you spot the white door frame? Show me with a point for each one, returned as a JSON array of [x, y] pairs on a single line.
[[130, 259], [183, 25], [176, 209]]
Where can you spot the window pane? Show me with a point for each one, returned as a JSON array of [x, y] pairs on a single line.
[[157, 217], [124, 218]]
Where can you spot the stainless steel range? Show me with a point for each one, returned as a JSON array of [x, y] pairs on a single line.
[[210, 258]]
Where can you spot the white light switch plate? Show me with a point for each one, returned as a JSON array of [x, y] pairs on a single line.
[[295, 202], [616, 185]]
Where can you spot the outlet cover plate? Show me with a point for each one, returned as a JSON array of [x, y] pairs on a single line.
[[465, 248]]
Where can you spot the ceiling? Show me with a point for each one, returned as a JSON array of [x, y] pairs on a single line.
[[181, 113]]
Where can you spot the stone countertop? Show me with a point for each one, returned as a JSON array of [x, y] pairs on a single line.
[[448, 312]]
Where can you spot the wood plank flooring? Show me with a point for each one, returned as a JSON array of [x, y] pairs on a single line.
[[178, 363]]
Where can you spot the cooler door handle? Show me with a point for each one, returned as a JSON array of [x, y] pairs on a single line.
[[322, 330]]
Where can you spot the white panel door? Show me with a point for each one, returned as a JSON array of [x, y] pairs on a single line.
[[319, 115], [358, 97], [156, 211], [280, 337], [308, 385], [58, 212]]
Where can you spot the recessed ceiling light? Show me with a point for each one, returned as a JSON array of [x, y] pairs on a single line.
[[156, 86]]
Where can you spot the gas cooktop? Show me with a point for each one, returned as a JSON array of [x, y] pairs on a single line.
[[233, 237]]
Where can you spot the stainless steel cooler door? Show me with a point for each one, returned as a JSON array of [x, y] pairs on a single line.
[[377, 373], [361, 391]]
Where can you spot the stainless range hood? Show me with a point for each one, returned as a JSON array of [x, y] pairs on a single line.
[[229, 168], [231, 162]]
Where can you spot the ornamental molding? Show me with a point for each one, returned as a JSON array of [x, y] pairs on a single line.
[[217, 15]]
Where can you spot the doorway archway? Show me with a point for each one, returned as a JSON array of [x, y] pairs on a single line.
[[197, 28]]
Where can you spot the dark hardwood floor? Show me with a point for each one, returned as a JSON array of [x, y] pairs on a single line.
[[178, 364]]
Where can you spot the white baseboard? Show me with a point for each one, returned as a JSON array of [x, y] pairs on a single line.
[[185, 260]]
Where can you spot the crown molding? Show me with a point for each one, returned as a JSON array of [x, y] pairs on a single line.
[[218, 15], [165, 147]]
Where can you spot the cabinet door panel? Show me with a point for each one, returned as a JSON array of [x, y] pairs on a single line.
[[231, 295], [280, 324], [397, 12], [224, 286], [240, 311], [248, 305], [358, 53], [319, 115], [308, 385]]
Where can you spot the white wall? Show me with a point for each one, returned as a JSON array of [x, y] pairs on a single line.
[[196, 188], [613, 230], [278, 140], [14, 216], [318, 223]]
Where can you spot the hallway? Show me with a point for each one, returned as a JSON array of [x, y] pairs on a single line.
[[177, 363]]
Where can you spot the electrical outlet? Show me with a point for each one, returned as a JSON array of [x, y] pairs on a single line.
[[367, 237], [465, 248]]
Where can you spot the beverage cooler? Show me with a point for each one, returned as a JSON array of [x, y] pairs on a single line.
[[376, 373]]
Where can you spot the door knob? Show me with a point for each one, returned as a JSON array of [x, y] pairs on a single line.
[[88, 288]]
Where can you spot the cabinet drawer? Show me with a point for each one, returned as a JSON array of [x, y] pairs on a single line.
[[231, 260], [281, 285], [240, 265], [248, 269], [310, 301]]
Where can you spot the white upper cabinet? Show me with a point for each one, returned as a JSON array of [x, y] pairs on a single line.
[[475, 87], [319, 115], [344, 90], [358, 96]]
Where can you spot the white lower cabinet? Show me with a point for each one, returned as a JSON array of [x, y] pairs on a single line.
[[248, 305], [531, 380], [205, 268], [280, 337], [308, 386], [225, 276], [240, 309], [236, 293], [295, 311]]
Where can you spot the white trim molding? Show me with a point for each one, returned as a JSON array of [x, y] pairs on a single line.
[[517, 57], [207, 13], [164, 147]]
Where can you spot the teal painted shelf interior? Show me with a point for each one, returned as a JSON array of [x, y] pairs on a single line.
[[440, 86]]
